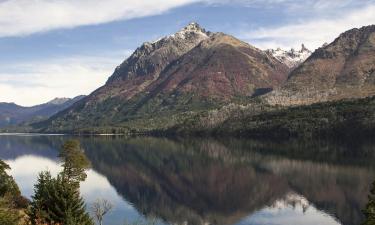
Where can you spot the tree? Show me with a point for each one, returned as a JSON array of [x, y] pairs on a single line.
[[74, 161], [369, 212], [9, 193], [57, 200], [38, 212], [100, 208], [7, 183]]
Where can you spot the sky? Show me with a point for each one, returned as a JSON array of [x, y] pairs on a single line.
[[65, 48]]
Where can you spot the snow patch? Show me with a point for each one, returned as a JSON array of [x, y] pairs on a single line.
[[291, 58], [188, 31]]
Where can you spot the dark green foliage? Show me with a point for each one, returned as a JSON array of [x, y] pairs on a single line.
[[7, 183], [9, 194], [369, 212], [345, 118], [57, 200]]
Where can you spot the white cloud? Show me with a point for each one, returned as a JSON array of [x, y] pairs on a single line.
[[314, 32], [38, 82], [20, 17]]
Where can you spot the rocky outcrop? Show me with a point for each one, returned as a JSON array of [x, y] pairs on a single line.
[[292, 58]]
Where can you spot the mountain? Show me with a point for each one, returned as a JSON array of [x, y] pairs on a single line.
[[341, 70], [292, 58], [191, 70], [13, 114]]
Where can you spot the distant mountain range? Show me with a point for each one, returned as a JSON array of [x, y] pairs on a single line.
[[13, 114], [196, 79], [343, 69]]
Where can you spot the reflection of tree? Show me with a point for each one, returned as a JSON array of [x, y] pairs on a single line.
[[221, 182]]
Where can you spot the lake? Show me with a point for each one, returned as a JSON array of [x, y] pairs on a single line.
[[210, 181]]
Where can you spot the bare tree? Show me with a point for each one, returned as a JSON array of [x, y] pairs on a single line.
[[100, 208]]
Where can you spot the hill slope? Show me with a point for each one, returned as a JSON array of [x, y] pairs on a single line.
[[13, 114]]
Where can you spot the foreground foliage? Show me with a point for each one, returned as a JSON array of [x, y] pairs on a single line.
[[57, 200], [10, 198]]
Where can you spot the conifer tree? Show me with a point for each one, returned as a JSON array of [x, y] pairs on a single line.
[[57, 200]]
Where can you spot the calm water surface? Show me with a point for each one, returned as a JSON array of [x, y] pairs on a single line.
[[208, 181]]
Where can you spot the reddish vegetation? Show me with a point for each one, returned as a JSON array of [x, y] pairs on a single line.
[[220, 67]]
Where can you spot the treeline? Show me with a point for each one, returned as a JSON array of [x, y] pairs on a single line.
[[340, 119], [255, 119]]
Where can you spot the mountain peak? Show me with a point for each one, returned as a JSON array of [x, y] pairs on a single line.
[[191, 28]]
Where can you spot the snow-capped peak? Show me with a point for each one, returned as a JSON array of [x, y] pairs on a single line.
[[189, 29], [291, 58], [193, 29]]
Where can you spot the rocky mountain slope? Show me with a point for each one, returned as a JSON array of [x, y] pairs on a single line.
[[190, 70], [343, 69], [292, 58], [13, 114], [211, 86]]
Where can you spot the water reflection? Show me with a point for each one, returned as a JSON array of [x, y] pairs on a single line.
[[202, 181]]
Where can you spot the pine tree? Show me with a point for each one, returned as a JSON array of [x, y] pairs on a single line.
[[38, 211], [370, 208], [66, 205], [57, 200]]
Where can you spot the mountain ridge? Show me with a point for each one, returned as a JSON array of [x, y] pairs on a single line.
[[218, 84], [12, 114], [341, 70], [190, 70]]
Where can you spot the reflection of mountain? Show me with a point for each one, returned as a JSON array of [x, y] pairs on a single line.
[[203, 181], [221, 182], [177, 183], [12, 147]]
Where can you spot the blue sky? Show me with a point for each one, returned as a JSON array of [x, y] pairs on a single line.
[[63, 48]]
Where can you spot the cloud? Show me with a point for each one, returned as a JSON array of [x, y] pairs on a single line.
[[21, 17], [38, 82], [313, 32]]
